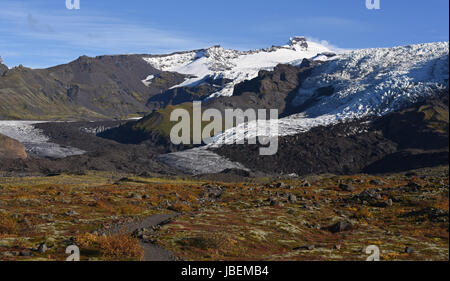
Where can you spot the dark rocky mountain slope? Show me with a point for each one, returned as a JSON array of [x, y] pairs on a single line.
[[185, 94], [271, 89], [103, 87]]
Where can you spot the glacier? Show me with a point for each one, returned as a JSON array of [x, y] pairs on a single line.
[[35, 141], [367, 82]]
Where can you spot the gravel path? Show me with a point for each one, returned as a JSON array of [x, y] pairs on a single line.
[[152, 252]]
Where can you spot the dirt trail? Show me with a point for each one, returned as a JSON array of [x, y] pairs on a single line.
[[152, 252]]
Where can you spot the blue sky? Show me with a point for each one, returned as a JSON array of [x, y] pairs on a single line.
[[41, 33]]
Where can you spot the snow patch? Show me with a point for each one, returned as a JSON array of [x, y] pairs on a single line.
[[147, 81]]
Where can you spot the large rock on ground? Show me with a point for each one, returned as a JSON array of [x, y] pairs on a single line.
[[11, 149]]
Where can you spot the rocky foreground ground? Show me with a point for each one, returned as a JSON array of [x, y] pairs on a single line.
[[113, 216]]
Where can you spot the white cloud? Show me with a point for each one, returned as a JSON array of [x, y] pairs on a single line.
[[94, 32], [327, 44]]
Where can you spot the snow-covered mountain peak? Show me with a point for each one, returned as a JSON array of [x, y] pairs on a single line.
[[298, 43], [233, 64]]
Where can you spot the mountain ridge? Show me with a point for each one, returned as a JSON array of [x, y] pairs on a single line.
[[104, 87], [122, 86]]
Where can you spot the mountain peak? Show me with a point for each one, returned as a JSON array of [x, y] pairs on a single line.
[[298, 42]]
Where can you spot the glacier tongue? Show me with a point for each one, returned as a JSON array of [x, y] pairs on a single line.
[[199, 161], [232, 64]]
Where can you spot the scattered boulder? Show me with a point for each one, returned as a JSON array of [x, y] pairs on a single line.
[[306, 184], [275, 202], [340, 227], [42, 248], [144, 233], [368, 195]]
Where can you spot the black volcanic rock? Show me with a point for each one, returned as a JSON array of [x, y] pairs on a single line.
[[181, 95], [271, 89], [340, 226]]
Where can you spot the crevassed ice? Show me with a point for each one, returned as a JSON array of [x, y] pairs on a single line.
[[377, 81], [366, 82]]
